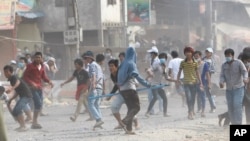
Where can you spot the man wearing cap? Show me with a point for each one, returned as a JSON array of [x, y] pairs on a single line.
[[156, 73], [96, 88], [210, 61], [13, 63]]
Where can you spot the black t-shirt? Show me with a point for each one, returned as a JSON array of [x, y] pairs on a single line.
[[114, 79], [22, 90], [82, 76]]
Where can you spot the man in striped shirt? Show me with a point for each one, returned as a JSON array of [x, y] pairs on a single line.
[[191, 74]]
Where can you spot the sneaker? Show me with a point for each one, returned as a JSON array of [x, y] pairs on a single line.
[[147, 115], [212, 111], [98, 123]]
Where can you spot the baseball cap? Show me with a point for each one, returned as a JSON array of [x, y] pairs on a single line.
[[89, 54], [209, 49], [153, 42], [153, 49], [12, 62]]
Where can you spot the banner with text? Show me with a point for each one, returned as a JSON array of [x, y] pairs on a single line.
[[25, 5], [7, 14]]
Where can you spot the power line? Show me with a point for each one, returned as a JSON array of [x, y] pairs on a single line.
[[21, 40], [29, 41]]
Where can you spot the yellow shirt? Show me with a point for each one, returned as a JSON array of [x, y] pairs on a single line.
[[189, 70]]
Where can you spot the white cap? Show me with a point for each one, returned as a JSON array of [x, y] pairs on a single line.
[[153, 49], [137, 45], [209, 49], [52, 59], [12, 62], [153, 42]]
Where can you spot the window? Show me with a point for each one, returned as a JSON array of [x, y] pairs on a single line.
[[111, 2]]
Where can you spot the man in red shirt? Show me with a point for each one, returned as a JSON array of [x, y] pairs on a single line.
[[33, 76]]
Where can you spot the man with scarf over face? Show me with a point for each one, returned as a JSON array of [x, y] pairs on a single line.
[[127, 74]]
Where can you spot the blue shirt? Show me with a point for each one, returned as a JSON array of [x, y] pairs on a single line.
[[96, 70], [203, 74]]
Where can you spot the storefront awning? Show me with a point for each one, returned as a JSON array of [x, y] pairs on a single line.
[[30, 14], [234, 31]]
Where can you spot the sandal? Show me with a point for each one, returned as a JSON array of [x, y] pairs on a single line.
[[36, 126], [21, 129], [43, 114], [203, 115], [118, 127], [130, 133], [72, 119]]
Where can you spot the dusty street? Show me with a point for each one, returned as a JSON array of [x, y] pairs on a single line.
[[58, 127]]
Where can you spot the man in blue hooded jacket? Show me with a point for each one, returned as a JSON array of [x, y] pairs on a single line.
[[127, 74]]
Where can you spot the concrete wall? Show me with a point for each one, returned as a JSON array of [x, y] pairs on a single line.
[[89, 14], [111, 13], [7, 51], [28, 31], [55, 17]]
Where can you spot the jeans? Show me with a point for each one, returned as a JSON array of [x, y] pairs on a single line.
[[150, 97], [190, 92], [246, 103], [117, 103], [210, 98], [37, 99], [201, 99], [132, 102], [234, 103], [158, 92], [93, 104], [29, 106], [20, 105]]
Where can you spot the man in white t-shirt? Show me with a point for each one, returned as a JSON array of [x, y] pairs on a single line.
[[173, 69], [156, 73]]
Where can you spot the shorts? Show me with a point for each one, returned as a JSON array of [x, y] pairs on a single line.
[[117, 103], [20, 106], [37, 99]]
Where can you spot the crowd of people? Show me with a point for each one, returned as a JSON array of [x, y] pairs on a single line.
[[191, 76]]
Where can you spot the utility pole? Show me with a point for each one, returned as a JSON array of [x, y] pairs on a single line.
[[124, 20], [100, 26], [209, 27], [77, 27], [187, 31]]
